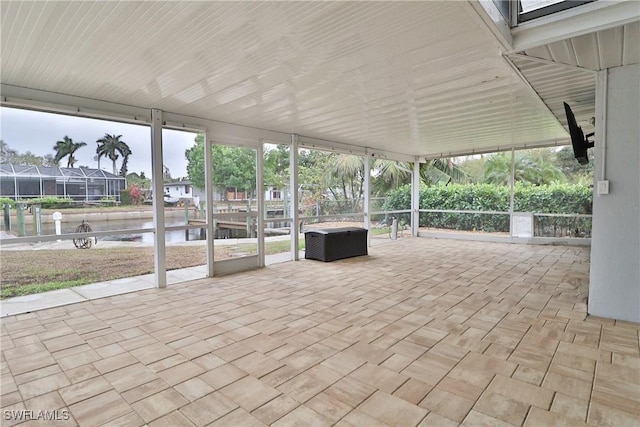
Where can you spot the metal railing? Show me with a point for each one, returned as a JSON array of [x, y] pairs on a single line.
[[547, 225]]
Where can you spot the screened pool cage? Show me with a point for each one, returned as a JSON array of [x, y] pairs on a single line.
[[19, 182]]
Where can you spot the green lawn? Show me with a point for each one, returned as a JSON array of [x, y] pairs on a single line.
[[30, 272]]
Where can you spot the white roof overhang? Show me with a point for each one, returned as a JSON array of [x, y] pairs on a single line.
[[405, 79], [561, 54]]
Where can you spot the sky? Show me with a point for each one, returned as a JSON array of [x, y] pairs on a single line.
[[34, 131]]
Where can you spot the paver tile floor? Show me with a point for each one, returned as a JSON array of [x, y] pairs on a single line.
[[420, 332]]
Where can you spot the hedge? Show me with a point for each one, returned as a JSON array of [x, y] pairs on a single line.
[[125, 197], [5, 200], [557, 199], [50, 202]]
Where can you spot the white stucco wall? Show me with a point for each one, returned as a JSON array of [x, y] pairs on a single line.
[[614, 288]]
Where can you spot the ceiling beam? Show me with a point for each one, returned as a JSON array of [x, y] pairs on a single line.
[[586, 19], [50, 102], [489, 17], [499, 148]]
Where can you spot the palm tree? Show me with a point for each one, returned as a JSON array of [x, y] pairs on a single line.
[[66, 147], [388, 175], [344, 178], [441, 171], [530, 168], [497, 169], [126, 152], [113, 147]]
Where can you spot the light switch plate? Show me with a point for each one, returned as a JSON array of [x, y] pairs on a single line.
[[603, 187]]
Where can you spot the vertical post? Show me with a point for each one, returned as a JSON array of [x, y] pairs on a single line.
[[261, 208], [512, 182], [415, 198], [186, 221], [208, 188], [367, 195], [37, 220], [57, 220], [157, 177], [15, 184], [293, 188], [285, 202], [249, 220], [7, 216], [20, 207]]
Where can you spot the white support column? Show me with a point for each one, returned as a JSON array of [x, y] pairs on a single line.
[[367, 195], [260, 197], [512, 182], [614, 281], [15, 185], [415, 198], [208, 188], [293, 188], [157, 179]]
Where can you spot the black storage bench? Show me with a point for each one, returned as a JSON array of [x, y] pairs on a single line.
[[335, 243]]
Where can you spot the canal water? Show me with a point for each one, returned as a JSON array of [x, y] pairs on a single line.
[[48, 228], [171, 236]]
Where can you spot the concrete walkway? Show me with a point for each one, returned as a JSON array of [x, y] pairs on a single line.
[[57, 298], [60, 297]]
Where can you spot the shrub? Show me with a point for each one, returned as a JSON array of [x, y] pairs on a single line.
[[557, 198], [136, 194], [50, 202], [125, 197], [108, 201], [4, 200]]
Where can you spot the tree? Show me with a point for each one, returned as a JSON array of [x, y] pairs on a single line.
[[473, 167], [141, 181], [126, 152], [49, 160], [276, 166], [533, 167], [389, 175], [166, 174], [7, 154], [67, 148], [113, 147], [575, 172], [344, 179], [441, 171], [232, 166]]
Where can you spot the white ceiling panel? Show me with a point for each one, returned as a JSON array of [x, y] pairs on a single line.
[[558, 84], [608, 48], [416, 78]]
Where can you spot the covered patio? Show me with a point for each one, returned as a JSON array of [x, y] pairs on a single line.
[[420, 332]]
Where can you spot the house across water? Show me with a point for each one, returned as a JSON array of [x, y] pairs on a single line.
[[80, 184]]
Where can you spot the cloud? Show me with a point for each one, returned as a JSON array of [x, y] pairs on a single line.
[[35, 131]]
